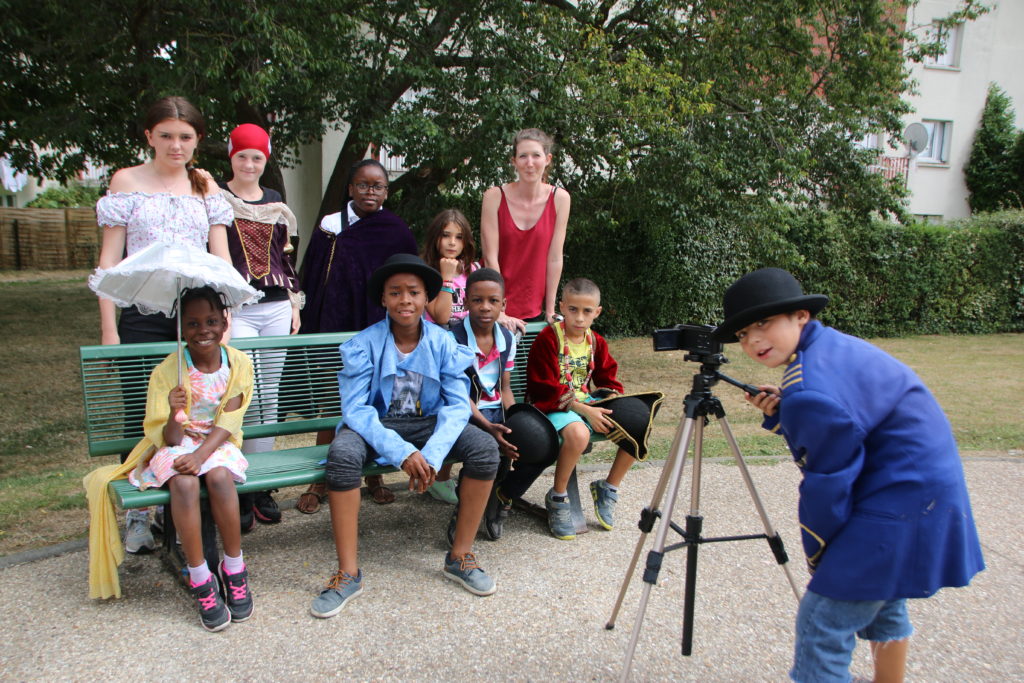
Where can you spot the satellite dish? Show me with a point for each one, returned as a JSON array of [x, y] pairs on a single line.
[[916, 136]]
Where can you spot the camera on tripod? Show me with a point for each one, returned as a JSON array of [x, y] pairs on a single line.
[[692, 338]]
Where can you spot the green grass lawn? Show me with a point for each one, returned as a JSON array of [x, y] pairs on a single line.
[[47, 316]]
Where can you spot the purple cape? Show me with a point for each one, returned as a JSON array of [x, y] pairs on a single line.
[[336, 268]]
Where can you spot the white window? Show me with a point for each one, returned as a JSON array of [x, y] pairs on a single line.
[[869, 141], [950, 38], [939, 134]]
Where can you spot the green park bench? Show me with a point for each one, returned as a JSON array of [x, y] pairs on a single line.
[[308, 402]]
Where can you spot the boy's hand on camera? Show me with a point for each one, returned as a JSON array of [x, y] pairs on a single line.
[[449, 268], [767, 401], [176, 398]]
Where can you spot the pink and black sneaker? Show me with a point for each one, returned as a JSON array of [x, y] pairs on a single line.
[[237, 595], [212, 612]]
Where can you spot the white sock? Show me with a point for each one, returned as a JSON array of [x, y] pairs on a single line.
[[556, 494], [613, 489], [233, 565], [199, 575]]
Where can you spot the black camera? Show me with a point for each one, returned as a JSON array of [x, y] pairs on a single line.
[[693, 338]]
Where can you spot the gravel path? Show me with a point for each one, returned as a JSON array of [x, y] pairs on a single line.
[[545, 622]]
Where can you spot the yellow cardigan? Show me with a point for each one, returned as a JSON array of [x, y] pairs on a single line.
[[105, 549]]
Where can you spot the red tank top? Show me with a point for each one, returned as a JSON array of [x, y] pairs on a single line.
[[523, 259]]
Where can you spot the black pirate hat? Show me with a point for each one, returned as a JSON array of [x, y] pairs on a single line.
[[403, 263], [762, 294], [633, 416], [533, 435]]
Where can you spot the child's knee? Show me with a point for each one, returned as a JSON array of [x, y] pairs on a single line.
[[575, 436], [219, 478], [184, 485]]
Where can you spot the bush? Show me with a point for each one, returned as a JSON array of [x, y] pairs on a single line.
[[66, 197], [883, 279], [989, 172]]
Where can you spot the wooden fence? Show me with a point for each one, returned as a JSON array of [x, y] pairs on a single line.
[[48, 239]]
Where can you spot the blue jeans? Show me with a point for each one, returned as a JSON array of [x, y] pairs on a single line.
[[825, 630]]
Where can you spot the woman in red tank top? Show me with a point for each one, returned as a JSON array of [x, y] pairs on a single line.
[[522, 232]]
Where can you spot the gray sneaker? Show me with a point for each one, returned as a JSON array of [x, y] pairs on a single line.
[[466, 571], [137, 536], [559, 517], [340, 589], [604, 503]]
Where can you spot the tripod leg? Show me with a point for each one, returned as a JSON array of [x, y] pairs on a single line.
[[669, 477], [694, 525], [774, 540], [647, 517]]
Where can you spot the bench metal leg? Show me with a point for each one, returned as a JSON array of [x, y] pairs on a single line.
[[575, 505], [209, 530], [573, 489], [171, 553]]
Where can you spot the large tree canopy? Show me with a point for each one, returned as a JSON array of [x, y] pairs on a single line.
[[757, 98], [680, 125]]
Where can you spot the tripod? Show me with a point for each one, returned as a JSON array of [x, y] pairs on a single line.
[[698, 404]]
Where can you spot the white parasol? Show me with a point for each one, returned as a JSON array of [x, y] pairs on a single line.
[[151, 279]]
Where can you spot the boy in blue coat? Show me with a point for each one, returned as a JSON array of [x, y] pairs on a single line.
[[884, 511], [405, 401]]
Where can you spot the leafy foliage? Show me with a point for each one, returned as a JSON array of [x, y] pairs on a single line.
[[884, 279], [989, 171], [66, 197], [757, 98]]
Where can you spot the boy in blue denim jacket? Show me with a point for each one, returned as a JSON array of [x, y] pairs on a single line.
[[405, 401], [884, 511]]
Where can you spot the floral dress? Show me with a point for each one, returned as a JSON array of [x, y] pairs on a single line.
[[207, 393], [163, 217]]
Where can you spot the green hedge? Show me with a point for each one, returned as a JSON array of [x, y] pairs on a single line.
[[669, 261], [884, 279]]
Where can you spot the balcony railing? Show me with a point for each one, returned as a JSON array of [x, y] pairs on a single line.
[[892, 168]]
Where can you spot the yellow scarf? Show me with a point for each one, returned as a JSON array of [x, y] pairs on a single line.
[[105, 550]]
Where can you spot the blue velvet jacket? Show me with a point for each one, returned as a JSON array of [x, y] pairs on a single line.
[[368, 378], [884, 511]]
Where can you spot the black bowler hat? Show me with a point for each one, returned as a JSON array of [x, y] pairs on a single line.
[[403, 263], [762, 294], [533, 435], [633, 417]]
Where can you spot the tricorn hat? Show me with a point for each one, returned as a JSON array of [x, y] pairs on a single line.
[[533, 435], [633, 416], [761, 294], [403, 263]]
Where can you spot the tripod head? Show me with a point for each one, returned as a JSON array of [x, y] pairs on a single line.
[[700, 347]]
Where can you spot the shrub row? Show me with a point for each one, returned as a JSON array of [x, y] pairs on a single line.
[[884, 279]]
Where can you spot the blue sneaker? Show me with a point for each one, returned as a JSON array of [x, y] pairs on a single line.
[[559, 517], [340, 589], [466, 571], [604, 503]]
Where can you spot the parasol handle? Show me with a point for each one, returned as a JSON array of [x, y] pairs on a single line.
[[179, 416]]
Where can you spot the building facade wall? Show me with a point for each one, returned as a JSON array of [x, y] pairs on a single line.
[[991, 49]]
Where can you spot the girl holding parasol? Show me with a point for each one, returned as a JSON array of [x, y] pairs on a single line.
[[164, 200]]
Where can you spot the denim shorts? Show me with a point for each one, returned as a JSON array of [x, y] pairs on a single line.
[[825, 630]]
